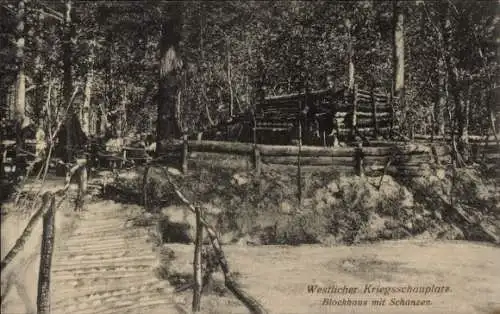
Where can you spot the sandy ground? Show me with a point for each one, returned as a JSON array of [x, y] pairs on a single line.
[[279, 276]]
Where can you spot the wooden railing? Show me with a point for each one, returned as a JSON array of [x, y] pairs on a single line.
[[46, 214]]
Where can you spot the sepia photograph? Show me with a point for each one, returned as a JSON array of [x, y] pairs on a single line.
[[263, 157]]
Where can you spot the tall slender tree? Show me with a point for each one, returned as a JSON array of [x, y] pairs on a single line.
[[170, 63], [20, 79], [68, 77], [350, 54], [398, 50], [86, 108]]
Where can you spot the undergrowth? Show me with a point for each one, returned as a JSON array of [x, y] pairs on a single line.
[[334, 208]]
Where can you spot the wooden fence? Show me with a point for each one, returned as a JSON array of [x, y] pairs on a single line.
[[408, 159]]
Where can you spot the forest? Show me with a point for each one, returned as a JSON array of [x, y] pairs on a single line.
[[294, 140], [195, 65]]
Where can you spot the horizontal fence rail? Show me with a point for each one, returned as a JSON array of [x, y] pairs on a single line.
[[405, 158]]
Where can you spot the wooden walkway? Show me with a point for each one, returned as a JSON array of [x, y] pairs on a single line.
[[105, 266]]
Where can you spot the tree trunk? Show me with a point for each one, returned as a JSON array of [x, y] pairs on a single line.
[[122, 113], [229, 79], [167, 126], [350, 51], [68, 79], [463, 121], [88, 91], [398, 50], [442, 94], [39, 73], [202, 65], [19, 108]]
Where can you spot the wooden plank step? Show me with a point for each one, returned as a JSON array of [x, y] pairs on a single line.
[[89, 243], [132, 306], [98, 225], [99, 303], [112, 276], [111, 234], [101, 221], [98, 250], [84, 256], [87, 271], [129, 260], [103, 295], [76, 288], [103, 232]]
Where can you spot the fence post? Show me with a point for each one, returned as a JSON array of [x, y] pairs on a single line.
[[299, 170], [145, 188], [256, 151], [359, 160], [185, 153], [47, 248], [354, 110], [256, 160], [374, 113], [391, 104], [197, 287]]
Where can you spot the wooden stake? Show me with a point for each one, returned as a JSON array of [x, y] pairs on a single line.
[[145, 188], [354, 110], [197, 263], [256, 151], [391, 102], [43, 297], [374, 113], [257, 160], [359, 157], [185, 154], [299, 172]]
